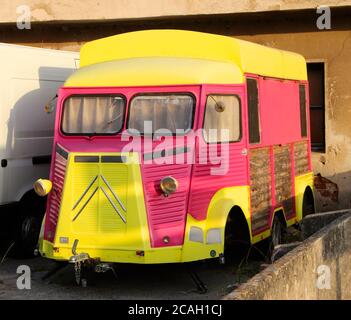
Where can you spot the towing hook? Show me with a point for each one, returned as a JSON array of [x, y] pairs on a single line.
[[78, 257], [74, 247]]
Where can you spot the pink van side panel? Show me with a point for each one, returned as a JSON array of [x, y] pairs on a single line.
[[280, 117], [279, 112]]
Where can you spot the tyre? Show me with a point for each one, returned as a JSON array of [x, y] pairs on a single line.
[[276, 238], [277, 232], [26, 227], [264, 248]]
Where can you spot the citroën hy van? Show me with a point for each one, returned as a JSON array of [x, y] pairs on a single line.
[[169, 145]]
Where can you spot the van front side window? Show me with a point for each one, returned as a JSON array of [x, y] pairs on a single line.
[[222, 121], [170, 112], [93, 115]]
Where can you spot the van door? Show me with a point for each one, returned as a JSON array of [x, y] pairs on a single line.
[[221, 153]]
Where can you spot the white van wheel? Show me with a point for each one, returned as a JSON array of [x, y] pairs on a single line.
[[27, 226]]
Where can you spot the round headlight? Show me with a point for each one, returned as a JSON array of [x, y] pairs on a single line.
[[42, 187], [169, 185]]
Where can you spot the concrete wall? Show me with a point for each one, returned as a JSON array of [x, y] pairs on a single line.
[[93, 10], [296, 275]]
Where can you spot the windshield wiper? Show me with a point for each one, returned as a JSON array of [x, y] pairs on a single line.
[[109, 122]]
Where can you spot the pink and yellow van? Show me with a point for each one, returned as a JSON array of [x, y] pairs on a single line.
[[169, 145]]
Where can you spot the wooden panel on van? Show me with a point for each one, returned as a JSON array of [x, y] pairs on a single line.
[[301, 157], [261, 187], [283, 179]]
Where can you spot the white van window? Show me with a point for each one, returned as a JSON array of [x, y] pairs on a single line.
[[93, 115], [170, 112], [222, 119]]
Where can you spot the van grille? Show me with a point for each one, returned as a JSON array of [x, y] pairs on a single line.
[[58, 178]]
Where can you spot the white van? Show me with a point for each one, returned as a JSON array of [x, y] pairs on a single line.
[[29, 80]]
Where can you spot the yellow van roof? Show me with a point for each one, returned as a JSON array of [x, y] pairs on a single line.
[[188, 50], [155, 71]]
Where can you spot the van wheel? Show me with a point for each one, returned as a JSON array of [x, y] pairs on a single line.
[[277, 233], [27, 227]]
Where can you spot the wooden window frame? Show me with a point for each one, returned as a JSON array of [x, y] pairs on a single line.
[[258, 110], [314, 147]]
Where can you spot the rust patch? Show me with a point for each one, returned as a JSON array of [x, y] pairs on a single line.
[[260, 182], [282, 173], [326, 188], [301, 158]]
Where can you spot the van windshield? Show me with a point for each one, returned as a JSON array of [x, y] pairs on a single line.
[[93, 115], [164, 113]]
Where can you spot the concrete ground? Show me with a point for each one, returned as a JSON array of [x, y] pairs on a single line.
[[165, 282]]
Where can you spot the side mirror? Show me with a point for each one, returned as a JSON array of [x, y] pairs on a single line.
[[50, 106], [219, 107]]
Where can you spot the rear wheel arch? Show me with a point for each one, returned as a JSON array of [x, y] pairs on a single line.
[[33, 202], [28, 195], [237, 230], [308, 202]]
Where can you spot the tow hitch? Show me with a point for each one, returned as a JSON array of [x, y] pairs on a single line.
[[79, 260], [83, 262]]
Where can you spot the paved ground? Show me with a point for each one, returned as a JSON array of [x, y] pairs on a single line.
[[133, 281], [167, 282]]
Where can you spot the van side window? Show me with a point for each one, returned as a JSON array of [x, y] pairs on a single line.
[[253, 114], [303, 116], [222, 119]]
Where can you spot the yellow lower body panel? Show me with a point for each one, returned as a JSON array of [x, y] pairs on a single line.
[[190, 251], [177, 254], [151, 256]]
